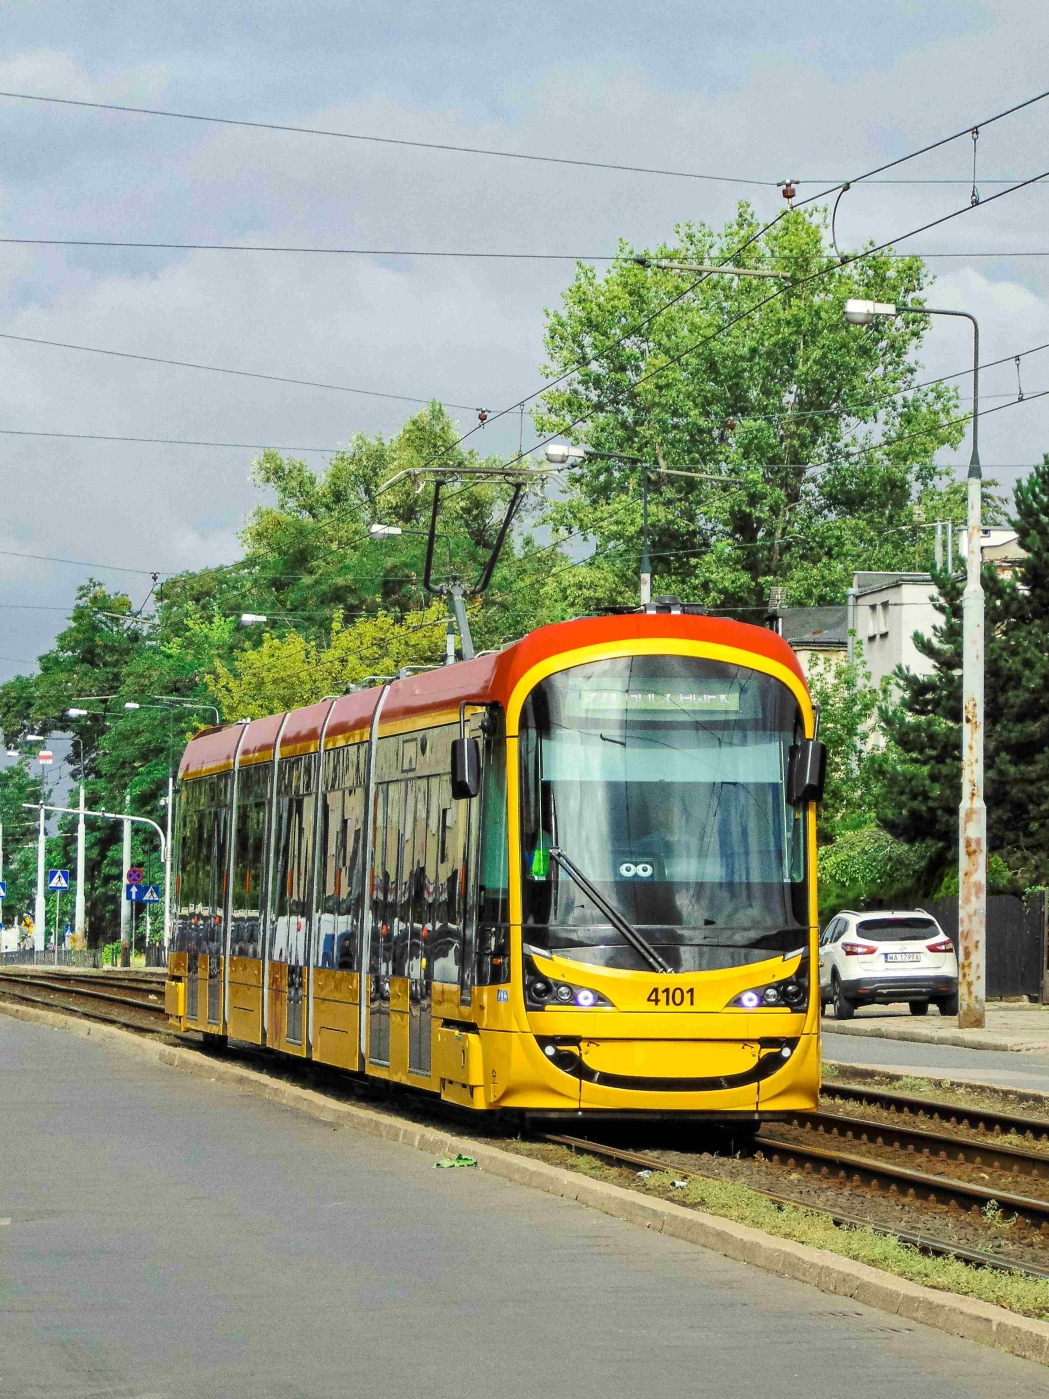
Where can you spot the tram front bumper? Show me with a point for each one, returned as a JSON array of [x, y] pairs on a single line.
[[704, 1075]]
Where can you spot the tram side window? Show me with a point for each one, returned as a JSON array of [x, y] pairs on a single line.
[[339, 904], [249, 855], [216, 838], [291, 891], [449, 909], [493, 883]]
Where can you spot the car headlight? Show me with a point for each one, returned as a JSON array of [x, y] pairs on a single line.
[[544, 992]]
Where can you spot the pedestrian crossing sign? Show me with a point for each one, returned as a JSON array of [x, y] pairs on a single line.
[[58, 879]]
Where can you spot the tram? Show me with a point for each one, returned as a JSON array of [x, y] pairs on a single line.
[[575, 877]]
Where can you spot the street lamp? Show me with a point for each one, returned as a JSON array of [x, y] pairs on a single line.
[[972, 811]]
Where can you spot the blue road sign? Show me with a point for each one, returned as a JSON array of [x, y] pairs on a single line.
[[3, 888], [151, 894], [58, 879], [134, 893]]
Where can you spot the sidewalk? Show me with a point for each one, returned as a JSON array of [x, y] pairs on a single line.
[[1010, 1025]]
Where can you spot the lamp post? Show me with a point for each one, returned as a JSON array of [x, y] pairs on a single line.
[[80, 904], [972, 811]]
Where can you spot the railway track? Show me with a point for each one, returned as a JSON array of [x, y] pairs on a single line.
[[924, 1242], [135, 999]]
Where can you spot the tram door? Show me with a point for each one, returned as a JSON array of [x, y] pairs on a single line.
[[426, 799]]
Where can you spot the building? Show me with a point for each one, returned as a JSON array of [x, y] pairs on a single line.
[[883, 612], [814, 632]]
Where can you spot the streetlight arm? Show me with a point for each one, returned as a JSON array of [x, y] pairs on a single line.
[[974, 460], [108, 816]]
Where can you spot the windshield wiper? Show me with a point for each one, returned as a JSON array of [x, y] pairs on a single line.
[[625, 929]]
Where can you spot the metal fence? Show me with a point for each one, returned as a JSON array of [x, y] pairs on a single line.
[[1016, 944], [89, 958]]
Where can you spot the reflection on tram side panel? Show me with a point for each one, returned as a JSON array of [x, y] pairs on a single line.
[[575, 877]]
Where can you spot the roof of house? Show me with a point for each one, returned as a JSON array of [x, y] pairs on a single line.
[[815, 627]]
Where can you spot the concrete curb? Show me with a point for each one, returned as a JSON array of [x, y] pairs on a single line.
[[958, 1039], [945, 1311]]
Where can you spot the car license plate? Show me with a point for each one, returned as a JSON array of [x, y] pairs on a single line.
[[903, 956]]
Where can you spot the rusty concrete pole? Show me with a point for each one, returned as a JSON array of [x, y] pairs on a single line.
[[972, 813]]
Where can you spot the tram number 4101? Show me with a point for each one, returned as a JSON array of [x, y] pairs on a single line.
[[672, 996]]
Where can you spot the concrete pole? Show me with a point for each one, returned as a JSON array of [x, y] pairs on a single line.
[[80, 913], [40, 908], [167, 867], [125, 907], [972, 812], [646, 565]]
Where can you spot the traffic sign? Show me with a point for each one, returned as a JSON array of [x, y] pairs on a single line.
[[58, 879], [45, 756], [140, 893], [3, 888], [134, 875]]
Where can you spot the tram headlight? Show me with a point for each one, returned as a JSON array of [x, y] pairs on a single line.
[[789, 994], [545, 993]]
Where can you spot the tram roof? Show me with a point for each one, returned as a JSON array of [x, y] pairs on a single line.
[[440, 692]]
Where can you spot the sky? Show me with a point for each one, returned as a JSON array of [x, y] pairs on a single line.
[[752, 94]]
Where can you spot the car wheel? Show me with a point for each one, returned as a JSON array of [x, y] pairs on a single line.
[[948, 1005], [844, 1009], [918, 1007]]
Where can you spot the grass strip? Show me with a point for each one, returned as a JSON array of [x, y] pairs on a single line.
[[733, 1200]]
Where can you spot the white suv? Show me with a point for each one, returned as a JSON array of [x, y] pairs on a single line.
[[879, 958]]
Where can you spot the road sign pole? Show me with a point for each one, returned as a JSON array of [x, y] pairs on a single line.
[[80, 916], [40, 908], [125, 910], [58, 905]]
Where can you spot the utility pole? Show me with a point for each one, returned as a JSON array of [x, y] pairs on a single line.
[[646, 565], [125, 907], [167, 864], [972, 810], [40, 907], [79, 916]]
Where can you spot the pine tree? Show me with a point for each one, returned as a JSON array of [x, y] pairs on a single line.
[[923, 727]]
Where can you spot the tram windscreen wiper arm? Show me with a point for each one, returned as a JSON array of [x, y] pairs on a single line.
[[626, 930]]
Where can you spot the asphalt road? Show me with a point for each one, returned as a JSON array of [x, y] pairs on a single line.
[[1005, 1068], [170, 1237]]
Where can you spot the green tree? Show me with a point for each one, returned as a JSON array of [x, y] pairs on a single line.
[[821, 432], [287, 671], [310, 551]]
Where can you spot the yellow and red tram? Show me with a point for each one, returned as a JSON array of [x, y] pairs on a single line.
[[573, 877]]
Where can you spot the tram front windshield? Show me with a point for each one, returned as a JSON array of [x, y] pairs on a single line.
[[662, 781]]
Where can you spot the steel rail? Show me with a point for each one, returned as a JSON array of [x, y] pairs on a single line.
[[79, 1000], [974, 1118], [923, 1242], [849, 1169], [991, 1153]]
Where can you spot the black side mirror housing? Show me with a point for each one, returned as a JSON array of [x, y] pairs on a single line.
[[806, 772], [466, 768]]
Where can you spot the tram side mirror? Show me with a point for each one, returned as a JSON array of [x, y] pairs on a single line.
[[806, 772], [466, 768]]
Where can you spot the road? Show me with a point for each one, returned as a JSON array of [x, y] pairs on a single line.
[[169, 1237], [1005, 1068]]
